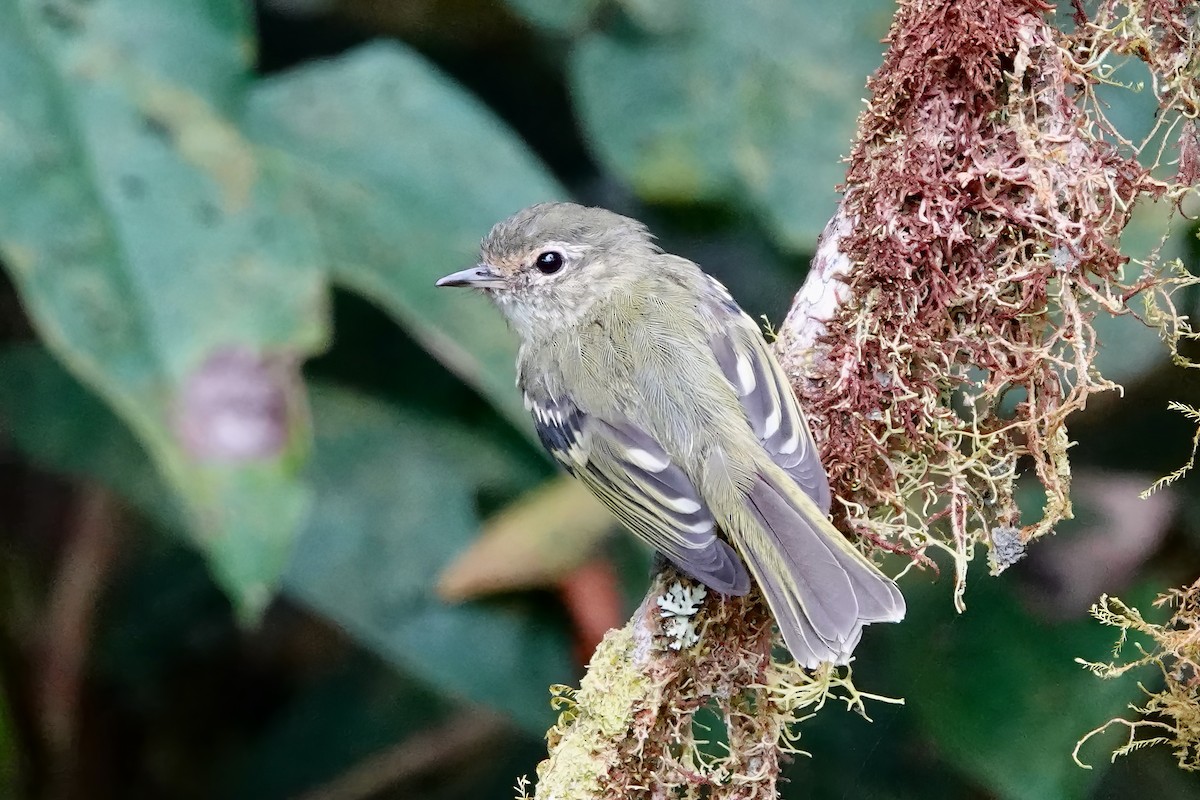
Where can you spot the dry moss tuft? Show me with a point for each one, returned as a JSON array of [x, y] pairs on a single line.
[[1170, 716]]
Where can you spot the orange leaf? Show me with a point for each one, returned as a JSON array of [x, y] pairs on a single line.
[[532, 543]]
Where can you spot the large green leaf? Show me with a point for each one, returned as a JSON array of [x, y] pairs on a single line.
[[395, 500], [750, 101], [999, 690], [392, 509], [407, 173], [162, 258]]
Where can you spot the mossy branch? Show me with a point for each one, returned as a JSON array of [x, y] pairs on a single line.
[[632, 723], [951, 336]]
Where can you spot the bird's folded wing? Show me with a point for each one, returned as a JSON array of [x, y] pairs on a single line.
[[766, 395], [631, 474]]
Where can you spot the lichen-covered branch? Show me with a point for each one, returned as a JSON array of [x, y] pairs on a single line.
[[630, 730]]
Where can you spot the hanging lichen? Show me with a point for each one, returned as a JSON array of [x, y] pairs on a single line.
[[978, 238], [1171, 715]]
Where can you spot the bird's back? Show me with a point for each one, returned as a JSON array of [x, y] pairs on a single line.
[[633, 347]]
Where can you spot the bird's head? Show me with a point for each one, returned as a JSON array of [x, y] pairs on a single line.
[[547, 265]]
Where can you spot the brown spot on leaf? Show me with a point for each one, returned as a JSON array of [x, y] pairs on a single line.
[[236, 407]]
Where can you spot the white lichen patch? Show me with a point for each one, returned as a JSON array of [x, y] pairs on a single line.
[[1006, 548], [678, 607]]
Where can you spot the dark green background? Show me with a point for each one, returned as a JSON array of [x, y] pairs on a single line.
[[289, 179]]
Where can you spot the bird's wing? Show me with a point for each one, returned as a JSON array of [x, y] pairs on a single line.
[[766, 395], [631, 474]]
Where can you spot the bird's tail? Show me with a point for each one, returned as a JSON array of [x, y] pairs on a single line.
[[821, 589]]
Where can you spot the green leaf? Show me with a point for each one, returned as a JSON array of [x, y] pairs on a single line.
[[999, 690], [161, 256], [752, 102], [559, 16], [392, 509], [407, 173], [394, 503]]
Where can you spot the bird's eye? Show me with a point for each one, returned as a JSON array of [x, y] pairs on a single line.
[[549, 262]]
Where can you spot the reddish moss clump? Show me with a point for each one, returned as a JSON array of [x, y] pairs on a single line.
[[984, 204]]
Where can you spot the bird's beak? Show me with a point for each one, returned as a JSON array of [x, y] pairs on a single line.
[[480, 276]]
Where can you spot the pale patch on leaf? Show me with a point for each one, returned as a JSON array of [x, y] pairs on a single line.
[[235, 407]]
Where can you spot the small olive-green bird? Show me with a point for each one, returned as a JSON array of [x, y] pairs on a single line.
[[651, 385]]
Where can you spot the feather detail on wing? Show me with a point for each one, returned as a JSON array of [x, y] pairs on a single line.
[[631, 474], [766, 396], [561, 428], [821, 589]]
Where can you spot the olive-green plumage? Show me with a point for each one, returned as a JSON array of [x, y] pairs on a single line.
[[649, 384]]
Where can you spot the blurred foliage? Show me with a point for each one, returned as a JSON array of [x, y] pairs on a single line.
[[533, 542], [143, 150], [222, 311], [129, 194], [709, 100], [377, 474], [1014, 705], [10, 752], [369, 137]]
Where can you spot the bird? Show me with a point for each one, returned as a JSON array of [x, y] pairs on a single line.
[[648, 382]]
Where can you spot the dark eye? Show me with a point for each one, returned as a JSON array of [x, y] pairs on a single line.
[[549, 262]]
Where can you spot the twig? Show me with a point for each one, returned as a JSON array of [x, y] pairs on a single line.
[[629, 726], [459, 740], [83, 570]]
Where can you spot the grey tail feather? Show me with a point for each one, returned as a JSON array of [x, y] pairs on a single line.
[[821, 592]]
